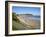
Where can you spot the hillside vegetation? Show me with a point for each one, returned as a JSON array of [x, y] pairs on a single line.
[[16, 24]]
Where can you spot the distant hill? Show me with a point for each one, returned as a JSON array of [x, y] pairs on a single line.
[[25, 15]]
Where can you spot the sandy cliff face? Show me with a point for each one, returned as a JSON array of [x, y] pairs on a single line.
[[29, 22]]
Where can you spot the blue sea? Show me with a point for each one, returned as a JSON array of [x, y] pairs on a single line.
[[35, 17]]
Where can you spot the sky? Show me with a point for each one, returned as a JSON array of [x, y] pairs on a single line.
[[26, 10]]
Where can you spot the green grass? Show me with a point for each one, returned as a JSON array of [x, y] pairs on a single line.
[[17, 25]]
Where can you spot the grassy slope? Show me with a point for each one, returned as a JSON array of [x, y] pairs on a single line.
[[16, 24]]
